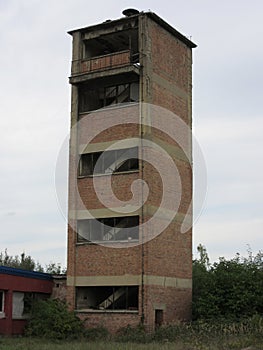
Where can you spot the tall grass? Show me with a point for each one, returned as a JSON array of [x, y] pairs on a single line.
[[215, 335], [201, 335]]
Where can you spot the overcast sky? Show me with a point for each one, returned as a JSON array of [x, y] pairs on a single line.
[[35, 106]]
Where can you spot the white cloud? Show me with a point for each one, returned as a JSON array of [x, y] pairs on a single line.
[[226, 236]]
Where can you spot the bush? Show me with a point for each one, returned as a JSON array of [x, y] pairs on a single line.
[[171, 332], [209, 334], [97, 334], [132, 334], [228, 289], [51, 318]]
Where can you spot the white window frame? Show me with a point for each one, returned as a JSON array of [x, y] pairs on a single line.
[[18, 305], [2, 309]]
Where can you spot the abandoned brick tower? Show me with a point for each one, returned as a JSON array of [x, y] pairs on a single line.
[[124, 268]]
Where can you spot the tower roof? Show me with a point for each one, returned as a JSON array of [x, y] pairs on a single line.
[[152, 15]]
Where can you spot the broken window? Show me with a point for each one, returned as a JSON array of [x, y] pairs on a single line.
[[2, 303], [119, 94], [90, 99], [107, 162], [23, 302], [108, 229], [112, 43], [107, 298], [18, 304]]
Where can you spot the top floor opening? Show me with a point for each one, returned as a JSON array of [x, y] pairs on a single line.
[[105, 45]]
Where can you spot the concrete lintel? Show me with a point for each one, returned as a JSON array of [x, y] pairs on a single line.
[[173, 150], [107, 27], [163, 214], [159, 306], [166, 214], [129, 280], [118, 27], [101, 146], [103, 213], [168, 281], [83, 281], [171, 87], [133, 142], [79, 78]]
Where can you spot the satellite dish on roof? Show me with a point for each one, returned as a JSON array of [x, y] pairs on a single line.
[[130, 12]]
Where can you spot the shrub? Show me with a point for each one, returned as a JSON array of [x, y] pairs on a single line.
[[97, 333], [169, 332], [51, 318], [132, 334], [228, 289]]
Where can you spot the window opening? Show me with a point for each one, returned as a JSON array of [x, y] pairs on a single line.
[[108, 229], [92, 99], [111, 43], [23, 302], [2, 303], [106, 162], [107, 298]]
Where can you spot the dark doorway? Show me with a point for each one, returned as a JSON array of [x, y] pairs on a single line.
[[158, 318]]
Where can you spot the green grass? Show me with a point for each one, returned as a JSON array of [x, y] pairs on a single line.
[[201, 335], [37, 344], [214, 344]]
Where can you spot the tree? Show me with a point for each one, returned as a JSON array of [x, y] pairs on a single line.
[[203, 259], [55, 269], [239, 285], [23, 261], [228, 288], [26, 262], [204, 299]]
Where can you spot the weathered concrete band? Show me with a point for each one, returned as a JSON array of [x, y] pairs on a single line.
[[129, 280]]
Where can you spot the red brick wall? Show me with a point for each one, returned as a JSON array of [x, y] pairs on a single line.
[[124, 121], [71, 297], [107, 61], [177, 308], [59, 289], [120, 184], [164, 98], [170, 57], [96, 260], [154, 181], [169, 254], [112, 321]]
